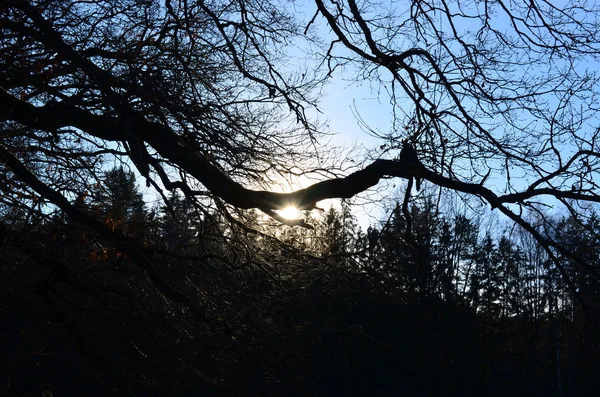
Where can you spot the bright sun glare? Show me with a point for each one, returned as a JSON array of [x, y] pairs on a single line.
[[290, 213]]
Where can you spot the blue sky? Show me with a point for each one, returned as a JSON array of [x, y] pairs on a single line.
[[343, 97]]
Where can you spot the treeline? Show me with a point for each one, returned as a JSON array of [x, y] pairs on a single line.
[[444, 309], [502, 274]]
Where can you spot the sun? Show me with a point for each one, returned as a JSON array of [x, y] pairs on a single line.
[[290, 212]]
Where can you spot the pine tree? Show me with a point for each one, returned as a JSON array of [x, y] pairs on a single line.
[[485, 285], [512, 263], [340, 231], [118, 202], [176, 228]]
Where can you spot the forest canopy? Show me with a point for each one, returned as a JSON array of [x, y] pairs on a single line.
[[211, 104]]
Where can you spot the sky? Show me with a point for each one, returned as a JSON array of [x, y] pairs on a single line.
[[346, 104], [344, 99], [340, 104], [342, 95]]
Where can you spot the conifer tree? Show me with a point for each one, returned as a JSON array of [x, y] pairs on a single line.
[[118, 202]]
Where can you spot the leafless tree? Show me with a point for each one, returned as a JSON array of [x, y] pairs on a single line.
[[499, 98]]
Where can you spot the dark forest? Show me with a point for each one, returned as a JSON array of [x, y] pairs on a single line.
[[149, 150]]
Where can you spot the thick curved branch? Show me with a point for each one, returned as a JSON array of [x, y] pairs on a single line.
[[168, 144]]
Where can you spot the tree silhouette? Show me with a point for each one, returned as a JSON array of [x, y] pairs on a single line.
[[207, 102], [200, 88], [118, 202]]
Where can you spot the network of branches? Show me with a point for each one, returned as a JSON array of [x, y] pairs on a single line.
[[498, 99], [214, 103]]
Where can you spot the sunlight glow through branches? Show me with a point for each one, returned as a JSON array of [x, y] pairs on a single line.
[[290, 213]]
